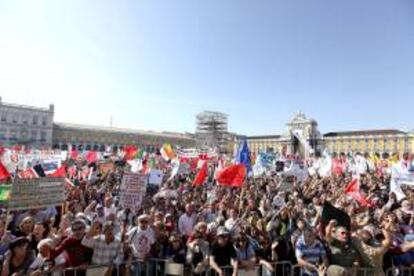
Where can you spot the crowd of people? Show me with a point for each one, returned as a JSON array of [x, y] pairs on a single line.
[[311, 223]]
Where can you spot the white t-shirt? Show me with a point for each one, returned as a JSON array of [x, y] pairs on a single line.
[[230, 223], [40, 261], [186, 224], [141, 241]]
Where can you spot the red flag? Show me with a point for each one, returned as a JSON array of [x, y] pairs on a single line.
[[193, 164], [232, 175], [354, 191], [337, 166], [184, 159], [145, 168], [74, 154], [91, 156], [4, 173], [72, 171], [16, 148], [201, 175], [203, 156], [60, 172], [28, 174], [130, 152]]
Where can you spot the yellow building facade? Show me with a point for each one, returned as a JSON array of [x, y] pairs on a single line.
[[99, 138], [365, 141]]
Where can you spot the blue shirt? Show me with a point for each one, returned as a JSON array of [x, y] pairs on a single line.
[[312, 253]]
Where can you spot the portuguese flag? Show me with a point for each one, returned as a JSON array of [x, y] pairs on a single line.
[[5, 191]]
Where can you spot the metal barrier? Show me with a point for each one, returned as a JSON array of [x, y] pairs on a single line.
[[366, 272], [279, 268], [400, 271], [158, 267], [298, 270]]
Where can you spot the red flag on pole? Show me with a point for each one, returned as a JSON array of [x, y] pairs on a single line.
[[232, 175], [201, 175], [4, 173], [193, 164], [74, 154], [354, 191], [130, 152], [60, 172], [91, 157], [72, 171]]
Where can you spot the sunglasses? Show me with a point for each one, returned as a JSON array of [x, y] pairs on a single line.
[[77, 229]]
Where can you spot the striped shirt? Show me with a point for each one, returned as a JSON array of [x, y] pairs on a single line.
[[311, 253], [103, 253]]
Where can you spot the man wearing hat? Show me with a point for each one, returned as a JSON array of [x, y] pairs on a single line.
[[77, 255], [223, 254]]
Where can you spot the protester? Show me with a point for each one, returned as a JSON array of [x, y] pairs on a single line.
[[19, 259], [311, 254], [224, 254], [77, 255], [337, 215]]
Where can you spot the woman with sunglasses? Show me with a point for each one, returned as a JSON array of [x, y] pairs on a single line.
[[246, 255], [176, 249], [19, 258]]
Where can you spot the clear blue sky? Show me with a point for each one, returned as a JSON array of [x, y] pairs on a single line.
[[155, 64]]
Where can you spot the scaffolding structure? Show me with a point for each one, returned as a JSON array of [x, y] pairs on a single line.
[[212, 130]]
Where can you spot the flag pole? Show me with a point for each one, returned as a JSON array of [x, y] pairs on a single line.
[[8, 220]]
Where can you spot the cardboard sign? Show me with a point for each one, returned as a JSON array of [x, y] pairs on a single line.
[[36, 193], [106, 167], [133, 188], [155, 177]]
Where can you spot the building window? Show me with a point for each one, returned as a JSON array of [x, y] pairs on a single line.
[[25, 119], [34, 135], [15, 118], [35, 120], [406, 145], [4, 117], [44, 121], [43, 136], [2, 134], [13, 135], [24, 134]]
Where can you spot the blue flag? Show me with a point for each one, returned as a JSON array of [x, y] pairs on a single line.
[[243, 156]]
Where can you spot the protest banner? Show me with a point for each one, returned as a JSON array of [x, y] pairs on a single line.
[[133, 188], [29, 194]]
